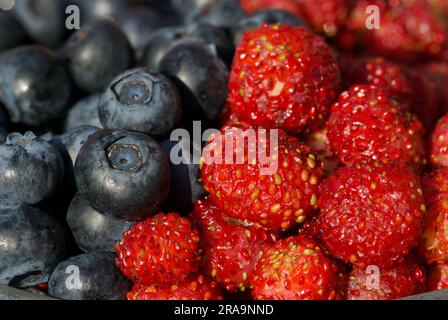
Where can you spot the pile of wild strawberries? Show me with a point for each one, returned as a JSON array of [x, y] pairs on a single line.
[[362, 178]]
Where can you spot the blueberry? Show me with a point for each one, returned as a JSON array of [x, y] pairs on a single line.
[[99, 279], [34, 86], [12, 33], [30, 169], [140, 100], [185, 187], [266, 16], [73, 140], [123, 174], [84, 113], [12, 294], [99, 9], [200, 76], [97, 53], [92, 230], [32, 245]]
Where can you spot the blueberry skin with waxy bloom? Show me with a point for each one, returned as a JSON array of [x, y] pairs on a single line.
[[123, 174], [84, 113], [140, 100], [32, 245], [99, 279], [30, 170], [92, 230], [35, 87]]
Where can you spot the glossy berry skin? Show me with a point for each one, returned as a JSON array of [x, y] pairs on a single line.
[[140, 100], [96, 54], [439, 143], [219, 13], [275, 199], [99, 279], [160, 250], [283, 77], [295, 268], [371, 214], [264, 16], [31, 170], [35, 88], [123, 174], [320, 144], [33, 244], [92, 230], [252, 6], [84, 113], [72, 141], [231, 248], [200, 76], [404, 279], [12, 33], [100, 9], [437, 277], [368, 124], [195, 287]]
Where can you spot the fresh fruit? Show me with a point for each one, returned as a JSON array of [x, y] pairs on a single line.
[[371, 214], [34, 87], [196, 287], [283, 77], [437, 277], [231, 248], [437, 74], [319, 143], [98, 279], [123, 174], [435, 185], [140, 100], [368, 124], [219, 13], [12, 33], [252, 6], [295, 268], [160, 250], [405, 279], [97, 53], [84, 113], [275, 193], [439, 143]]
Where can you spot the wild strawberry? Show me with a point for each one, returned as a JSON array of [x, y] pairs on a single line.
[[295, 268], [231, 250], [402, 280], [437, 74], [251, 6], [162, 249], [439, 143], [275, 194], [319, 143], [195, 287], [283, 77], [435, 185], [368, 124], [371, 214], [409, 29], [437, 277]]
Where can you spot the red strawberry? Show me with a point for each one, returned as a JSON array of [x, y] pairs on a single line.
[[402, 280], [371, 214], [195, 287], [439, 143], [368, 124], [437, 277], [437, 74], [231, 250], [276, 198], [409, 29], [319, 143], [251, 6], [162, 249], [295, 269], [283, 77]]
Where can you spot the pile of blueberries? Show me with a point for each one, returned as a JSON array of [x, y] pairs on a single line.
[[85, 122]]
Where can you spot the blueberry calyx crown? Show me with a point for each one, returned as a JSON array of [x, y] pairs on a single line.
[[125, 157]]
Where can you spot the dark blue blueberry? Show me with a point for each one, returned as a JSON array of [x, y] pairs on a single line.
[[123, 174], [73, 140], [99, 279], [141, 100], [185, 187], [34, 86], [30, 170], [84, 113], [12, 294], [97, 53], [92, 230], [32, 245], [267, 16], [200, 75], [99, 9], [12, 33]]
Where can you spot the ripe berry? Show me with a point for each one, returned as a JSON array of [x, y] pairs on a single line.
[[160, 250], [283, 77], [439, 143], [252, 6], [437, 277], [371, 214]]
